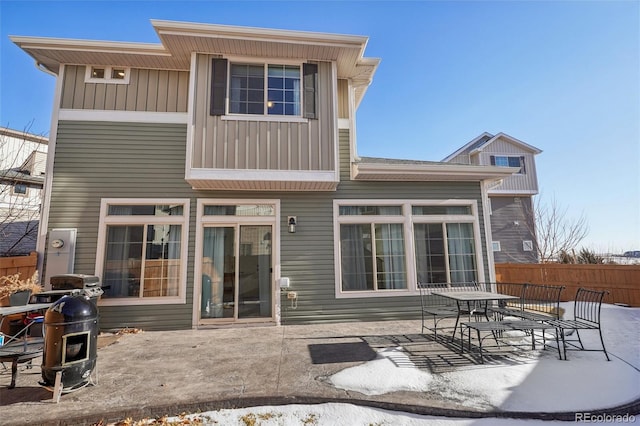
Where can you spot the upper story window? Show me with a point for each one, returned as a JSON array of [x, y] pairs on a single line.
[[247, 94], [107, 74], [508, 161], [20, 189], [263, 89]]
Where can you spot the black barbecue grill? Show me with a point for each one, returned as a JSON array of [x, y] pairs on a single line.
[[71, 285]]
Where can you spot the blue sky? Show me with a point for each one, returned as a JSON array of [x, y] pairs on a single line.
[[562, 76]]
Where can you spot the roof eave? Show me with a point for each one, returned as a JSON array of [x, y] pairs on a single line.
[[257, 34], [511, 139], [429, 172]]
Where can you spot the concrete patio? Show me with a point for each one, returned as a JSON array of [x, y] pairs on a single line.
[[150, 374]]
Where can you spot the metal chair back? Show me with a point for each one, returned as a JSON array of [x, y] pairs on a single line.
[[588, 305], [543, 298]]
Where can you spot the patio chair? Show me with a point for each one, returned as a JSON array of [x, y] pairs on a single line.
[[438, 308], [586, 316]]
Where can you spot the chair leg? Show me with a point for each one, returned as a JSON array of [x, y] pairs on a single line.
[[579, 339], [558, 331], [435, 328], [479, 347], [564, 344], [603, 348], [14, 373], [455, 328]]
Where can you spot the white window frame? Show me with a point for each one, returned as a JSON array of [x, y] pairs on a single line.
[[265, 62], [495, 246], [108, 69], [527, 245], [20, 194], [183, 220], [521, 160], [222, 220], [407, 219]]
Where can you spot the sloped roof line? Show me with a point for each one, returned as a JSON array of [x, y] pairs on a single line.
[[511, 139], [485, 139], [467, 146]]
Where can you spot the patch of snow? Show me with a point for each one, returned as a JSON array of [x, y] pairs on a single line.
[[391, 371]]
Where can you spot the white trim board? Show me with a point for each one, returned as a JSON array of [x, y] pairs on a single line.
[[123, 116]]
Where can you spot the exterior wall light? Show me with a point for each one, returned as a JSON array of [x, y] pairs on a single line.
[[292, 221]]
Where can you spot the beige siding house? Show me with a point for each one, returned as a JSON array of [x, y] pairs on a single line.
[[510, 199], [212, 179], [22, 174]]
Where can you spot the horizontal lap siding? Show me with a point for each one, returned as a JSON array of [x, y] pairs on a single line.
[[504, 212], [117, 160], [311, 266], [96, 160]]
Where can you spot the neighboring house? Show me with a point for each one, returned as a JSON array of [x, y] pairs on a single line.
[[23, 158], [511, 201], [213, 179]]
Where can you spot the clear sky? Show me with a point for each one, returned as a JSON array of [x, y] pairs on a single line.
[[563, 76]]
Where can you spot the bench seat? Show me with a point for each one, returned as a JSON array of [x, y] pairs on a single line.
[[495, 327]]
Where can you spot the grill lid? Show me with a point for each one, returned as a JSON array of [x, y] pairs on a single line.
[[72, 281]]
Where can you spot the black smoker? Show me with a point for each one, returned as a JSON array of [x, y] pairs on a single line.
[[70, 343]]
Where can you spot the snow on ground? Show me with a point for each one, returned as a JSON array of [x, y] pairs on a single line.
[[545, 384]]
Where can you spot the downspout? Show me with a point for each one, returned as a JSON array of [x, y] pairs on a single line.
[[43, 224], [488, 233]]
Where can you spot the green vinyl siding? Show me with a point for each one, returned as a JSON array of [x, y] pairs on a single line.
[[96, 160], [307, 256]]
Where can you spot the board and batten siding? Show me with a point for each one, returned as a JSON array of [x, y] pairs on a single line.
[[147, 90], [311, 267], [96, 160], [222, 143]]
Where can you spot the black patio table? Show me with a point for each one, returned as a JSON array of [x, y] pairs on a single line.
[[17, 347], [467, 298]]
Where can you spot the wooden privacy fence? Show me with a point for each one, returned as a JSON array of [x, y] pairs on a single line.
[[622, 281], [25, 265]]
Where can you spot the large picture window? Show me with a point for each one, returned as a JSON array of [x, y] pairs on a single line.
[[391, 245], [142, 251], [445, 252], [372, 249]]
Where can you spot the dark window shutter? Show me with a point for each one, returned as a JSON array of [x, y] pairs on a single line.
[[493, 160], [310, 81], [218, 85], [523, 170]]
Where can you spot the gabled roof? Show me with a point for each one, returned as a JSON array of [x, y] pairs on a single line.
[[180, 39], [484, 140]]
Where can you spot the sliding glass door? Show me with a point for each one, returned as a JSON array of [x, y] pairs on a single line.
[[237, 272]]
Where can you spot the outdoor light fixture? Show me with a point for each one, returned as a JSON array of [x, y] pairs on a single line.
[[292, 221]]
